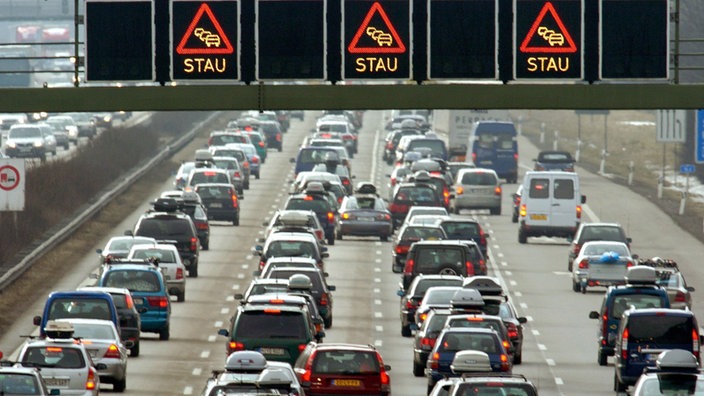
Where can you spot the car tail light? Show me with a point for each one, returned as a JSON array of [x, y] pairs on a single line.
[[346, 182], [383, 375], [233, 346], [402, 249], [629, 264], [506, 344], [604, 326], [422, 317], [158, 301], [512, 331], [459, 190], [305, 377], [433, 361], [128, 301], [522, 212], [624, 345], [234, 200], [345, 216], [482, 266], [410, 304], [579, 211], [194, 244], [470, 268], [482, 237], [331, 217], [262, 263], [398, 208], [575, 250], [504, 362], [90, 380], [497, 190], [408, 269], [324, 299], [339, 200], [427, 343], [393, 181], [237, 174], [179, 273], [584, 264], [515, 157], [389, 145], [255, 160], [474, 157], [384, 216], [695, 343], [202, 226], [680, 297], [301, 347], [113, 352], [261, 144], [278, 137], [210, 141], [319, 234], [245, 164]]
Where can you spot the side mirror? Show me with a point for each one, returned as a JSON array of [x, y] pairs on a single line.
[[99, 251], [129, 344], [387, 367], [522, 320], [292, 160], [37, 320], [261, 240], [584, 199], [257, 273], [320, 335], [101, 366], [128, 233], [593, 315], [142, 310], [629, 240], [325, 255], [690, 288], [224, 332], [332, 287], [325, 274], [400, 293], [265, 223], [258, 250]]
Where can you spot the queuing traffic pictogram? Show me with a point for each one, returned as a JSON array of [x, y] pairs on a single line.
[[209, 43], [385, 38], [556, 42]]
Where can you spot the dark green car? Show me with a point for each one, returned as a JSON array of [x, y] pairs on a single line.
[[259, 142]]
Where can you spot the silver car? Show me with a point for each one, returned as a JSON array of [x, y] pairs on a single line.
[[36, 140], [102, 341], [477, 188], [18, 380], [119, 247], [169, 261]]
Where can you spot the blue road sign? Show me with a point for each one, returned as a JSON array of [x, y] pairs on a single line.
[[686, 168], [699, 149]]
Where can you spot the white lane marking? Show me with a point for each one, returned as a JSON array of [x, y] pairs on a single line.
[[499, 255], [558, 381], [197, 371], [225, 311], [542, 347], [508, 273], [378, 343], [230, 298], [248, 257], [376, 290], [550, 362], [523, 305], [212, 338], [205, 354], [377, 280], [377, 269], [380, 329], [503, 263], [240, 276], [518, 294], [377, 243], [536, 333], [218, 323], [372, 172], [512, 283], [378, 315], [529, 318], [236, 286], [378, 261], [377, 302], [245, 266], [591, 214], [188, 390], [378, 252]]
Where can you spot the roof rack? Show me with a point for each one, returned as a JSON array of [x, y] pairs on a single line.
[[641, 275], [166, 205]]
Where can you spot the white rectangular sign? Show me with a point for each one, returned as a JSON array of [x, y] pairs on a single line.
[[671, 126], [12, 177]]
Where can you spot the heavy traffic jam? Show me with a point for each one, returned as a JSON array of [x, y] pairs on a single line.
[[407, 202]]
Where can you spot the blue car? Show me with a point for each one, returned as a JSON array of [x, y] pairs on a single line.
[[452, 340], [149, 293]]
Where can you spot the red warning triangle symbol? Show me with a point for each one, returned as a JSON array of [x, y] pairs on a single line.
[[386, 39], [555, 42], [211, 43]]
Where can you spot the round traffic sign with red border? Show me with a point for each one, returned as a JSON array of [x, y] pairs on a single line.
[[9, 177]]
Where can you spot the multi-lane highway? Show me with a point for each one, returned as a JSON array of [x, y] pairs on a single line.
[[560, 340]]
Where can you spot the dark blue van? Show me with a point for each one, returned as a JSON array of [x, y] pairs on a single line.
[[77, 304], [309, 157], [493, 145], [644, 334]]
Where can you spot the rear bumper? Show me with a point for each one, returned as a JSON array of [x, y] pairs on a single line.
[[546, 230]]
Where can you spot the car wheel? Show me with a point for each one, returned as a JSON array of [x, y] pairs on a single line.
[[205, 245], [193, 271], [119, 386], [522, 237], [518, 358], [66, 146], [601, 358], [569, 265], [256, 176], [396, 269], [246, 186], [164, 334], [495, 211], [280, 148], [576, 287], [418, 369], [384, 238], [331, 239], [327, 322], [406, 331], [514, 218], [618, 386], [134, 351], [181, 297], [584, 288], [448, 271], [338, 236], [236, 221]]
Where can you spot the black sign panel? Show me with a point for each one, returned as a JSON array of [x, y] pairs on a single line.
[[376, 42], [291, 39], [205, 40], [119, 41], [548, 41], [634, 39], [463, 39]]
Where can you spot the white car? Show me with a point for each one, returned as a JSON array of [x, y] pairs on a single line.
[[601, 263], [169, 261]]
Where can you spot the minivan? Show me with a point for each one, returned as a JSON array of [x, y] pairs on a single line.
[[551, 205], [493, 145], [85, 304]]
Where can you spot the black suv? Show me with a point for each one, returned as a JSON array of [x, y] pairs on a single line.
[[410, 194], [446, 257], [317, 199], [167, 223]]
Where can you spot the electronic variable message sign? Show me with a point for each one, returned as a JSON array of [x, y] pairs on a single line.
[[376, 39], [634, 39], [119, 40], [548, 39], [463, 39], [205, 40], [291, 42]]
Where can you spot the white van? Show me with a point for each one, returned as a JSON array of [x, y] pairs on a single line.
[[551, 205]]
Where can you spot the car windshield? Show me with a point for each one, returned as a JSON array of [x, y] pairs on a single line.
[[416, 193], [21, 132], [19, 384], [601, 233], [226, 164], [208, 177], [345, 362], [164, 256], [271, 323], [419, 233], [316, 205], [638, 300], [439, 296]]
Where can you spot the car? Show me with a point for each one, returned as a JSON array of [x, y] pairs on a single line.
[[452, 340], [102, 342], [337, 168], [190, 203], [425, 336], [259, 286], [167, 258], [478, 378], [291, 244], [392, 139], [483, 321], [274, 134], [128, 315], [119, 247], [437, 257], [406, 195], [295, 220], [20, 380], [551, 160], [237, 153], [463, 228], [644, 333], [595, 232], [672, 279], [85, 122], [437, 179], [104, 120], [334, 368], [601, 263], [149, 293], [641, 291], [315, 198], [364, 215], [280, 262], [68, 123], [293, 297], [454, 167], [184, 170], [222, 138], [166, 222], [435, 297], [60, 133], [236, 173], [675, 372], [319, 288], [516, 201], [207, 175], [255, 162], [63, 360], [477, 188], [221, 201], [90, 304], [30, 140], [406, 236], [414, 293], [279, 332]]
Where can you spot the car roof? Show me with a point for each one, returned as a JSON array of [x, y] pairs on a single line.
[[291, 236], [344, 345], [291, 260]]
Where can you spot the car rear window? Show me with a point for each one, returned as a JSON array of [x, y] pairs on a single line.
[[271, 323], [345, 362], [214, 192], [120, 300], [290, 249], [459, 341], [164, 228], [564, 189], [621, 302], [209, 177], [226, 164], [221, 140], [479, 179], [660, 329], [436, 146], [599, 233], [55, 356], [436, 322], [539, 188], [19, 384], [497, 388], [316, 205], [424, 284], [164, 256], [90, 308], [596, 249], [460, 230], [477, 323], [423, 233], [416, 193], [434, 258], [135, 281]]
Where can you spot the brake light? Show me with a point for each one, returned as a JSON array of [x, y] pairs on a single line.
[[512, 330], [208, 173], [579, 211], [245, 164], [346, 182], [113, 352], [305, 377], [506, 344], [385, 216], [629, 264], [90, 381], [308, 198], [179, 273], [158, 301], [278, 137], [497, 190], [680, 297], [624, 345], [383, 375], [234, 200], [54, 349], [393, 181], [577, 247], [474, 157], [604, 326], [255, 160], [504, 362], [482, 267], [433, 361], [470, 268], [194, 244], [695, 344], [331, 217], [522, 212], [272, 311], [319, 234], [301, 347], [128, 301], [422, 317], [408, 269], [459, 190], [482, 237], [446, 196], [210, 141], [233, 346], [261, 264], [389, 145], [202, 226], [261, 144], [515, 156], [398, 208], [427, 342], [402, 249], [410, 304], [584, 264], [324, 299]]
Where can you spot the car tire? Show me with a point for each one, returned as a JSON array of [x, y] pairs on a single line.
[[193, 271], [569, 265], [205, 245], [134, 351], [256, 176], [518, 358], [396, 269], [280, 148], [522, 237], [448, 271], [514, 218], [576, 287], [418, 369], [601, 358], [66, 146], [406, 331], [619, 387], [384, 238], [495, 211], [181, 297], [120, 385], [246, 186], [236, 221], [331, 239], [327, 322], [164, 334]]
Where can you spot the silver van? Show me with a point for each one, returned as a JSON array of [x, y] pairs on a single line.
[[551, 205]]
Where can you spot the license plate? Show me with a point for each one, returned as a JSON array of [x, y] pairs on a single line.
[[365, 218], [56, 382], [272, 351], [346, 382], [538, 217], [138, 300], [93, 353], [216, 205], [24, 149]]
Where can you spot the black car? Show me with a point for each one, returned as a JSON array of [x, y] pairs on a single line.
[[466, 228], [166, 222], [438, 257], [320, 289], [406, 236], [273, 133], [320, 201], [412, 296], [554, 161], [410, 194], [221, 201], [194, 208]]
